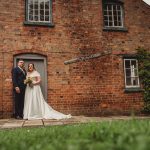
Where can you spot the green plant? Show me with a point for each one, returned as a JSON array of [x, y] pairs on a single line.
[[143, 57], [131, 134]]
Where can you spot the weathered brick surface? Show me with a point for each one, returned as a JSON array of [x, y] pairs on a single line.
[[93, 87]]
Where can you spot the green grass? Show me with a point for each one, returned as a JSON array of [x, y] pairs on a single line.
[[115, 135]]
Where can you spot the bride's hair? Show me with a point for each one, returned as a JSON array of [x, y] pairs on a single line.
[[32, 65]]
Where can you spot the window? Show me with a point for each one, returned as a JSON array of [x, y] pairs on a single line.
[[113, 14], [38, 12], [131, 73]]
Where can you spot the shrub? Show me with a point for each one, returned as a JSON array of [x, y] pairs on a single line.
[[143, 57]]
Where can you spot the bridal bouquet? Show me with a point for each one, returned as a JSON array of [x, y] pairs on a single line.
[[29, 81]]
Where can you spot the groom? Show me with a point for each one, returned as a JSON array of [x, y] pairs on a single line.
[[18, 77]]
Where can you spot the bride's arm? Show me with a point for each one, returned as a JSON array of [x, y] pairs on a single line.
[[38, 80]]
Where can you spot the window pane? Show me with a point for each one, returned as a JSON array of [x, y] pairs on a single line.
[[105, 7], [110, 13], [105, 18], [42, 18], [115, 23], [36, 5], [46, 18], [115, 18], [42, 12], [110, 18], [106, 23], [133, 63], [136, 72], [127, 63], [36, 12], [105, 13], [119, 24], [31, 12], [119, 13], [118, 7], [42, 5], [110, 24], [119, 18], [109, 7], [128, 72], [135, 81], [47, 12], [128, 81], [35, 18], [114, 7], [47, 4], [31, 17], [31, 6], [115, 12]]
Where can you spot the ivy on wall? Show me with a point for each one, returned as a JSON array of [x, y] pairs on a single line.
[[143, 57]]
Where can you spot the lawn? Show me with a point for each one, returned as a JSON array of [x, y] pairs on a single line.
[[107, 135]]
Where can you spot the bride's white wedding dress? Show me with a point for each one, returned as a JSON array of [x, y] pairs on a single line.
[[35, 107]]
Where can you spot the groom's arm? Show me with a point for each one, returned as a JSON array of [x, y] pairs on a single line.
[[14, 77], [15, 80]]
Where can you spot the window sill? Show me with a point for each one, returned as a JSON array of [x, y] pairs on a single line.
[[132, 90], [38, 24], [115, 29]]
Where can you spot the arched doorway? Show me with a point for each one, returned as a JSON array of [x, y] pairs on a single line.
[[40, 65]]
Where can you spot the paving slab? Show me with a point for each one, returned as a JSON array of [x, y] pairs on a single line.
[[73, 120], [30, 123], [52, 123], [12, 124], [3, 121], [49, 122]]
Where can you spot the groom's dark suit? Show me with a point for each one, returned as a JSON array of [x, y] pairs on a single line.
[[18, 77]]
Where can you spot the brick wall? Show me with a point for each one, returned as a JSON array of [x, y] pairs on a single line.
[[92, 87]]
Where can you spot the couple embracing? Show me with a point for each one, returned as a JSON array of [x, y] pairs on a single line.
[[29, 100]]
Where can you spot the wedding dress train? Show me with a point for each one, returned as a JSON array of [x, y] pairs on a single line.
[[35, 107]]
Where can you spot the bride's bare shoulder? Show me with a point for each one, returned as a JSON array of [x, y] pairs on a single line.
[[36, 73]]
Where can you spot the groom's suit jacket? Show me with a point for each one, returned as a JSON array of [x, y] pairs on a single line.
[[18, 77]]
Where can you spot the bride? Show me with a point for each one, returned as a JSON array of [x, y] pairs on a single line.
[[35, 107]]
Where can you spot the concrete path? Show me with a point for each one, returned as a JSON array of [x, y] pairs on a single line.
[[13, 123]]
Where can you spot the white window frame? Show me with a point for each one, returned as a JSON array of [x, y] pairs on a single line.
[[39, 19], [132, 74], [107, 11]]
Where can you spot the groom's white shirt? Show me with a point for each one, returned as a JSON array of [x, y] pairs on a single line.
[[21, 69]]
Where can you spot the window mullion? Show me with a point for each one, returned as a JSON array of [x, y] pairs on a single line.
[[125, 72], [33, 10], [131, 69], [49, 11], [121, 12], [44, 11], [117, 17], [107, 14], [137, 71], [38, 10], [28, 4], [113, 15]]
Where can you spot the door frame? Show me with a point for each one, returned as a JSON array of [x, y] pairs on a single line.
[[33, 56]]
